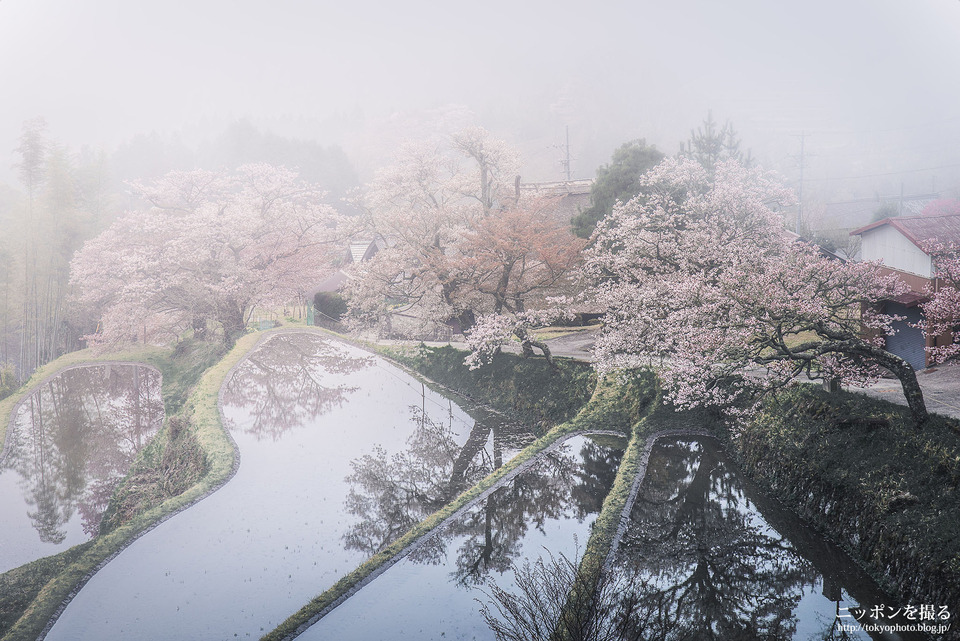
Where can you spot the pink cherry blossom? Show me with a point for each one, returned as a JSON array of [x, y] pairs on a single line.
[[211, 247], [698, 277]]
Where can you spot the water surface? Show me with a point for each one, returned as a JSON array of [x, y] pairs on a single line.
[[706, 556], [68, 445], [320, 425], [432, 593]]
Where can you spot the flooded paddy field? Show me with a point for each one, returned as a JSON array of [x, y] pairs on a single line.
[[68, 446]]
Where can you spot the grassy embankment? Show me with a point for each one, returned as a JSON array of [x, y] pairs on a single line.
[[561, 331], [858, 470], [180, 466], [562, 402], [629, 403], [853, 467], [659, 420], [524, 387]]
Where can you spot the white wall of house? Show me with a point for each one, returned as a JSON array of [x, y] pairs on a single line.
[[886, 244]]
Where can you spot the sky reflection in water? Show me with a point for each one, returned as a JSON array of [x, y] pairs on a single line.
[[431, 593]]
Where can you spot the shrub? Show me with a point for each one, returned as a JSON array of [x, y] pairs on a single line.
[[168, 468], [330, 304], [8, 380]]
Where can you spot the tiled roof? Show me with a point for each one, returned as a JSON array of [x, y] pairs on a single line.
[[332, 283], [571, 196], [365, 250], [921, 229]]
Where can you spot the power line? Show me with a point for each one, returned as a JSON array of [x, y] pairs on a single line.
[[865, 149]]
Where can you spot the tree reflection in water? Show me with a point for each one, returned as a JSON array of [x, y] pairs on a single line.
[[389, 495], [74, 438], [696, 561], [493, 534], [704, 556], [288, 381]]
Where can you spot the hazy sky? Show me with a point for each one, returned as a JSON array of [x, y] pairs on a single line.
[[875, 84]]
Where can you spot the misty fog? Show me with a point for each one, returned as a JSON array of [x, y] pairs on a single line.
[[871, 85]]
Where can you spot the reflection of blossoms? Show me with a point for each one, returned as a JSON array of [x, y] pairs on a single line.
[[692, 566], [287, 382], [73, 440], [696, 563], [494, 533], [390, 494]]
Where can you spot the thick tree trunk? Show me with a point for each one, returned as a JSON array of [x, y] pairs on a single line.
[[234, 324], [912, 392], [527, 343], [199, 325], [467, 319], [908, 381]]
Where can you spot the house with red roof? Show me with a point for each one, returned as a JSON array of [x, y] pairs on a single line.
[[900, 244]]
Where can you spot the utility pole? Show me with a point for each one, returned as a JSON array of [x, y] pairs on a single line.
[[800, 190], [565, 161]]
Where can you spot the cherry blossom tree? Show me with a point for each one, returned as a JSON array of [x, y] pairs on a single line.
[[211, 247], [418, 206], [462, 243], [941, 313], [698, 276]]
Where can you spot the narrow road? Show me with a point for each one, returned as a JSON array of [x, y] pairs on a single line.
[[940, 385]]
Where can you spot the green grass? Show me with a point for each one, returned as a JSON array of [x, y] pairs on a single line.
[[547, 333], [170, 464], [658, 419], [20, 586], [528, 388]]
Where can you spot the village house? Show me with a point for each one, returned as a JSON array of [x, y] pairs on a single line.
[[901, 244], [330, 287], [571, 196]]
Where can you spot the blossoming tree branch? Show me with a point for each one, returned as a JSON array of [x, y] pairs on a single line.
[[208, 248], [698, 276], [464, 245]]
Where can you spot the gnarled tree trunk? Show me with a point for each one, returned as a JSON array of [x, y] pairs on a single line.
[[908, 380]]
